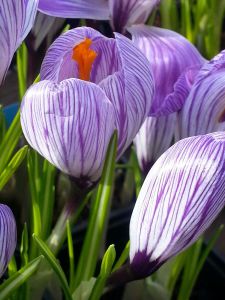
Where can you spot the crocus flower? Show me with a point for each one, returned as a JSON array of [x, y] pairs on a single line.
[[7, 236], [181, 196], [165, 51], [16, 20], [203, 110], [91, 86]]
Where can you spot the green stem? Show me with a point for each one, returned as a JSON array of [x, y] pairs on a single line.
[[98, 218]]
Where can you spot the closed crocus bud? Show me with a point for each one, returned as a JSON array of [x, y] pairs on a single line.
[[204, 109], [8, 236], [181, 196], [16, 20]]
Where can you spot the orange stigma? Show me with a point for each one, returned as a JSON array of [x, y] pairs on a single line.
[[85, 57]]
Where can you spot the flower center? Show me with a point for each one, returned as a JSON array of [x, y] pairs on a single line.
[[85, 57]]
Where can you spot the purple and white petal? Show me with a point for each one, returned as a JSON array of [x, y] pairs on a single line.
[[16, 20], [175, 100], [169, 54], [130, 90], [8, 236], [153, 139], [125, 13], [204, 108], [59, 65], [70, 124], [81, 9], [181, 196]]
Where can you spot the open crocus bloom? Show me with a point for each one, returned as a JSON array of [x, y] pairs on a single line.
[[204, 109], [91, 86], [16, 20], [181, 196], [8, 236]]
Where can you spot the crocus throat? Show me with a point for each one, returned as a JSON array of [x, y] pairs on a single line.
[[85, 57]]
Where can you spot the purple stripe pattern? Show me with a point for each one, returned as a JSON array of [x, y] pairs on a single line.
[[16, 20], [165, 50], [153, 139], [8, 236], [204, 109], [124, 13], [82, 9], [70, 123], [181, 196], [120, 70]]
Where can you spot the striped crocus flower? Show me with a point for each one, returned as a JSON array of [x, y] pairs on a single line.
[[181, 196], [91, 85], [16, 20], [8, 236], [204, 109], [165, 51]]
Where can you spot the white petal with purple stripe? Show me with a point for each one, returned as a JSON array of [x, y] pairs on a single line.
[[181, 196], [70, 124], [16, 20]]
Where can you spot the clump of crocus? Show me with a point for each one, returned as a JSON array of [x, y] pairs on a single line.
[[91, 85], [8, 236], [181, 196], [165, 51], [16, 20]]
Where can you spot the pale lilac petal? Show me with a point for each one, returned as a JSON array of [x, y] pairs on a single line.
[[175, 100], [204, 108], [128, 12], [130, 90], [169, 54], [8, 236], [59, 65], [82, 9], [70, 124], [16, 20], [181, 196], [153, 139]]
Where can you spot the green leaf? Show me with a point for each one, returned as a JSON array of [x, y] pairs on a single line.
[[106, 268], [21, 56], [98, 217], [71, 252], [10, 285], [55, 265], [12, 166], [123, 257], [108, 261], [2, 124], [24, 246], [10, 141], [83, 291]]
